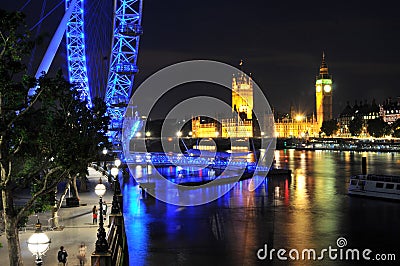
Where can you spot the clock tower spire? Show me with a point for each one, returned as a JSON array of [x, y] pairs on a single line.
[[323, 93]]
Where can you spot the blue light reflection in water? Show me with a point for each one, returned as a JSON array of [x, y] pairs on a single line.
[[135, 222], [311, 211]]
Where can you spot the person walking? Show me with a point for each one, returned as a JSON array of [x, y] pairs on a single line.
[[82, 254], [94, 214], [62, 256]]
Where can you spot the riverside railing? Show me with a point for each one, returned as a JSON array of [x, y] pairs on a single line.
[[117, 242]]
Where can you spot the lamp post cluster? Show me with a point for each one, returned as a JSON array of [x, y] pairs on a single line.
[[100, 190], [116, 203]]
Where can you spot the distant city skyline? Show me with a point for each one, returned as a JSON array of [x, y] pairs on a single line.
[[281, 44]]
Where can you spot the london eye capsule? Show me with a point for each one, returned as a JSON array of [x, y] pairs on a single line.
[[125, 69], [131, 30]]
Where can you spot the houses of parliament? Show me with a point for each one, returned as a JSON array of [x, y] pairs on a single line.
[[242, 124]]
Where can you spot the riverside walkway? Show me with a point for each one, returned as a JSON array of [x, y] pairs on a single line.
[[77, 228]]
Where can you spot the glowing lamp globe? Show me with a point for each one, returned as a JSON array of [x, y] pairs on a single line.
[[114, 171], [105, 151], [117, 162], [100, 190], [38, 243]]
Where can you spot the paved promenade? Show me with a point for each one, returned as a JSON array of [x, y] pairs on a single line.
[[78, 228]]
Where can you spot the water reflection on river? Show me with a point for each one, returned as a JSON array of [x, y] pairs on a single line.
[[310, 209]]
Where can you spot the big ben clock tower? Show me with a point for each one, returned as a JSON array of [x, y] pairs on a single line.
[[323, 94]]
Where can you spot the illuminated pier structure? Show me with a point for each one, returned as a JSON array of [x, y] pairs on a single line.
[[179, 162]]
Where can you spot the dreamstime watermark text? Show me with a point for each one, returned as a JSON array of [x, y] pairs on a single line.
[[338, 252]]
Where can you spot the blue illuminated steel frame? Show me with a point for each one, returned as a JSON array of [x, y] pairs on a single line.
[[125, 46], [127, 30], [76, 56]]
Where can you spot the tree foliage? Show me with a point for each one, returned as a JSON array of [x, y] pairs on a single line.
[[377, 127], [45, 138], [396, 128], [329, 127], [356, 125]]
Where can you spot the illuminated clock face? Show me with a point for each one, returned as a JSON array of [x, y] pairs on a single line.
[[327, 88], [319, 88]]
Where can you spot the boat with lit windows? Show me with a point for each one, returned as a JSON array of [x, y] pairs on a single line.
[[378, 186]]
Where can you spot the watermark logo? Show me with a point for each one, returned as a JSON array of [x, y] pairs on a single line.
[[340, 252], [152, 91], [341, 242]]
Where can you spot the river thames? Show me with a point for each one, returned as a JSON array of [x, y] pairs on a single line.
[[308, 210]]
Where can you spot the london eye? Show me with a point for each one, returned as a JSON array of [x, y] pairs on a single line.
[[102, 46]]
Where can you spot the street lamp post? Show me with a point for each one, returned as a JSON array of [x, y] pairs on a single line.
[[116, 203], [101, 242], [105, 151], [38, 243]]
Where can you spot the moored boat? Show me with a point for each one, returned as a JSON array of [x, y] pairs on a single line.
[[378, 186]]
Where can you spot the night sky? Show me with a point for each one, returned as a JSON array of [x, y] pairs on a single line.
[[280, 42]]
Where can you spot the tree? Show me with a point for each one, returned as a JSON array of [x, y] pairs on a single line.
[[396, 128], [356, 125], [329, 127], [376, 127], [81, 129], [46, 138]]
